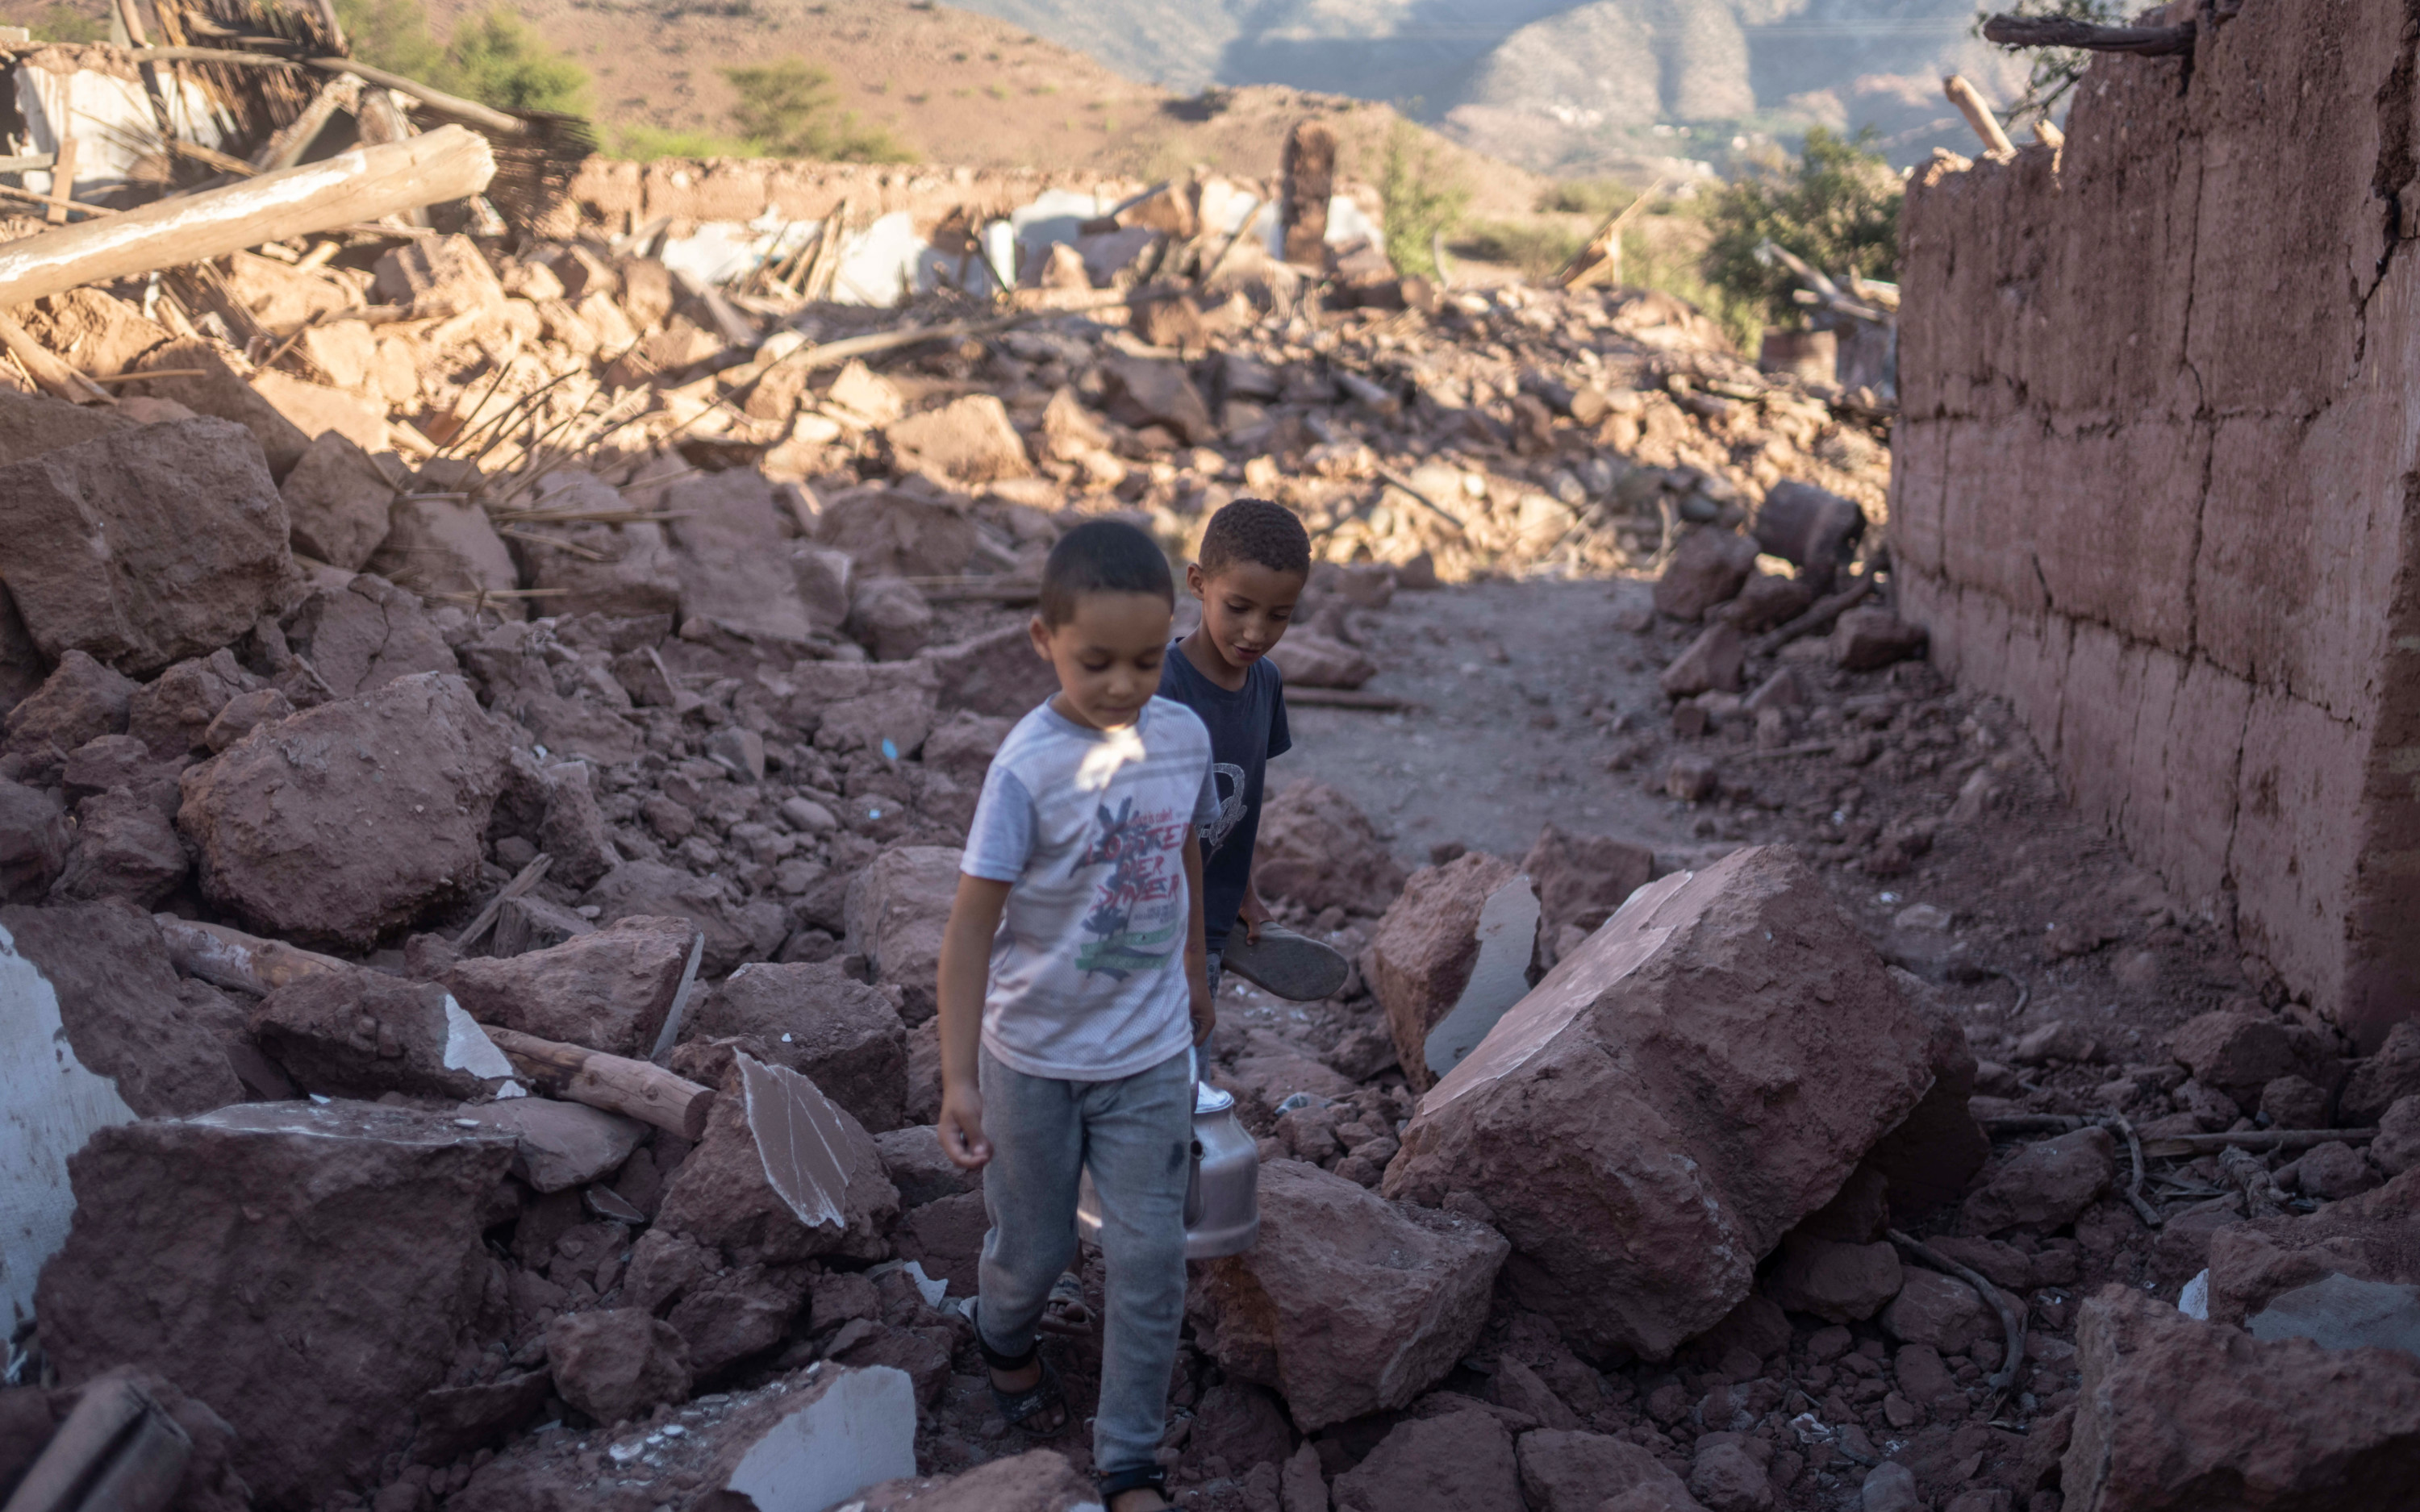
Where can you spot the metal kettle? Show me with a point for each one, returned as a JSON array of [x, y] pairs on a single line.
[[1222, 1191]]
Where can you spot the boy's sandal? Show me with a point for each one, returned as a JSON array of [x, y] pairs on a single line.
[[1141, 1477], [1019, 1407], [1294, 967], [1066, 1314]]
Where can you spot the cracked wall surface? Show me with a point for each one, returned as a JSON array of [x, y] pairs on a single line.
[[2157, 477]]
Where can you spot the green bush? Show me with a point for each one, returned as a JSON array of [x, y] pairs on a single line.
[[1537, 248], [642, 143], [57, 22], [493, 58], [1599, 197], [786, 108], [1837, 205], [1423, 199], [499, 60]]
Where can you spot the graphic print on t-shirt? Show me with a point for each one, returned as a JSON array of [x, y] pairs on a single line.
[[1141, 889], [1230, 779]]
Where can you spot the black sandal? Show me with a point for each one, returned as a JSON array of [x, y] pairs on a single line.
[[1019, 1407], [1141, 1477]]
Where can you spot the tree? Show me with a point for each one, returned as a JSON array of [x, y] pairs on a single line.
[[1837, 205], [788, 109], [1423, 201], [498, 60]]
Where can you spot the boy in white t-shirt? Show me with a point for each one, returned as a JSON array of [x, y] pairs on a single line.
[[1072, 992]]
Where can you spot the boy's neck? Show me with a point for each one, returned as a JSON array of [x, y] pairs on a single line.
[[1211, 662], [1060, 707]]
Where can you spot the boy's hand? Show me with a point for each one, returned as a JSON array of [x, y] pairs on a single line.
[[961, 1128], [1250, 913], [1206, 1009]]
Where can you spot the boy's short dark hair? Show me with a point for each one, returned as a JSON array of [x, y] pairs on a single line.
[[1102, 556], [1259, 532]]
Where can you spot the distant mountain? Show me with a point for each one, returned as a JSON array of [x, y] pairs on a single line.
[[1563, 86]]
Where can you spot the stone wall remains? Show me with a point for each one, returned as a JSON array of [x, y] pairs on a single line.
[[2158, 474]]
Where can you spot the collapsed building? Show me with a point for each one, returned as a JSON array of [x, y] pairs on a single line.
[[490, 709]]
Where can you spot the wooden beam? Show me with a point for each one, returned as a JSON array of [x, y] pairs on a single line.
[[450, 162], [2063, 31], [635, 1089], [62, 183], [1978, 114]]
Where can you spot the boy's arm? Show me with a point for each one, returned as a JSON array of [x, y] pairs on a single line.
[[1196, 944], [966, 969]]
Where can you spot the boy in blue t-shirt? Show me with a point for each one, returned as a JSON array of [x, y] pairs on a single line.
[[1255, 560], [1072, 992]]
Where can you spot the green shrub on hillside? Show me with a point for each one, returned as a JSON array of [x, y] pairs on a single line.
[[1837, 205], [494, 57], [1423, 200], [57, 22], [786, 108]]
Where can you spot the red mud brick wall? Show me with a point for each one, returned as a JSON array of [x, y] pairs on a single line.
[[2158, 476]]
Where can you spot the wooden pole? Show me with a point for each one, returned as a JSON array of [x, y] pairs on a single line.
[[1978, 115], [230, 958], [2065, 31], [62, 182], [614, 1082], [450, 162]]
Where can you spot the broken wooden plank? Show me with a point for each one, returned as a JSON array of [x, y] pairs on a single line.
[[614, 1082], [450, 162], [2202, 1144], [2064, 31], [1971, 104], [62, 183], [226, 957]]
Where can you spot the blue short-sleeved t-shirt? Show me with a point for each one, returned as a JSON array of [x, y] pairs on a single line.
[[1246, 727]]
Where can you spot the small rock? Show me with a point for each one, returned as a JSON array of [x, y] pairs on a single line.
[[2240, 1053], [2045, 1185], [1461, 1461], [2330, 1172], [1839, 1283], [1890, 1487], [2294, 1102], [1707, 568], [2059, 1040], [1865, 639], [1939, 1311], [1691, 777], [2383, 1079]]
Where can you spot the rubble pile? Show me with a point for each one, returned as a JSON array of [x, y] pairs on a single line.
[[486, 731]]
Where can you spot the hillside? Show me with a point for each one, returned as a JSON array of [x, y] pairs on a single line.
[[958, 88], [1565, 88]]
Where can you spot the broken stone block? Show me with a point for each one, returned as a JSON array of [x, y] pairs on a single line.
[[627, 570], [1458, 1461], [1144, 391], [363, 1034], [437, 277], [79, 702], [171, 714], [1713, 1061], [337, 502], [1566, 1470], [1766, 600], [650, 889], [899, 532], [1939, 1311], [810, 1441], [996, 674], [125, 847], [2396, 1149], [36, 839], [609, 991], [889, 617], [32, 424], [728, 1194], [1868, 640], [120, 1009], [1038, 1480], [730, 553], [365, 635], [442, 545], [1348, 1303], [1582, 879], [144, 545], [2294, 1102], [962, 745], [184, 1227], [351, 819], [823, 1023], [1707, 568], [558, 1145], [912, 1157], [1317, 848], [897, 909], [1710, 664], [212, 385], [1427, 946], [2372, 1237], [617, 1364], [101, 334], [968, 439], [573, 828], [1310, 659], [2177, 1412], [1839, 1283], [1691, 777], [2045, 1185], [2380, 1081], [1812, 528]]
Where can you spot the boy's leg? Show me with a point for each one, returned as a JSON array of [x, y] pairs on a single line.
[[1139, 1141], [1037, 1137]]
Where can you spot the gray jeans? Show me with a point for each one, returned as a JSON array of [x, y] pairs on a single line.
[[1136, 1135]]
